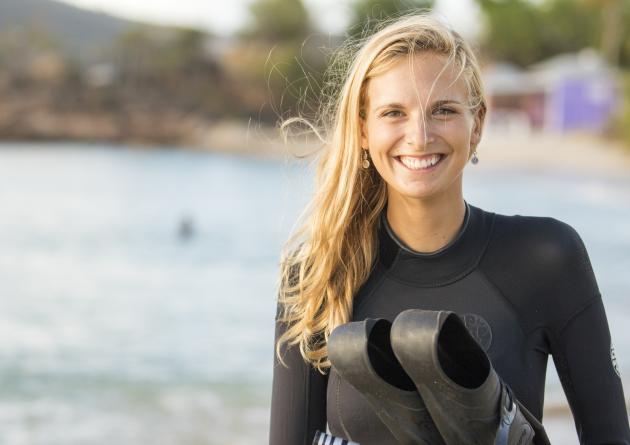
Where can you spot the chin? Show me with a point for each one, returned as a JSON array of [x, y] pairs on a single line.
[[416, 193]]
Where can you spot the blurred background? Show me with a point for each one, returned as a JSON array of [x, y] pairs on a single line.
[[145, 192]]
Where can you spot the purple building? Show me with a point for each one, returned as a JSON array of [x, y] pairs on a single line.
[[567, 92]]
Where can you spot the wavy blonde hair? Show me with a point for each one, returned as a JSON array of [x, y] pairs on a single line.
[[332, 252]]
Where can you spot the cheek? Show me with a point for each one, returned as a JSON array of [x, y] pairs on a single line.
[[458, 134], [382, 137]]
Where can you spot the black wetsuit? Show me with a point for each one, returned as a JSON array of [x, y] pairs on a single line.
[[525, 288]]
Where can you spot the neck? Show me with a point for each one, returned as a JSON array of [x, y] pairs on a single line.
[[426, 225]]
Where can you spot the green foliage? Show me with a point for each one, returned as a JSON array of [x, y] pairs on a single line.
[[189, 43], [524, 32], [286, 63], [512, 30], [622, 122], [170, 68], [569, 25], [144, 50], [279, 20], [366, 14], [19, 44]]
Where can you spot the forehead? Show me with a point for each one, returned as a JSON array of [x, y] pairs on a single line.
[[425, 76]]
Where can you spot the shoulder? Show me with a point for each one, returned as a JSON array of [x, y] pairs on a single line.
[[546, 241], [541, 265]]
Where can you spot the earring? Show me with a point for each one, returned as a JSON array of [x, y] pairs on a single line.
[[474, 158], [366, 162]]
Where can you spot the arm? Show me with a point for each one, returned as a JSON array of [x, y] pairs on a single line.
[[581, 349], [582, 354], [298, 401]]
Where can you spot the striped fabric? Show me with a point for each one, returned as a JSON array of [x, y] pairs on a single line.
[[327, 439]]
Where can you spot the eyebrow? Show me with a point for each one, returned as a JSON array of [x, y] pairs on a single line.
[[437, 103], [446, 101]]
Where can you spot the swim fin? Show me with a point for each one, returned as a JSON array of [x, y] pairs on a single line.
[[362, 355], [467, 400]]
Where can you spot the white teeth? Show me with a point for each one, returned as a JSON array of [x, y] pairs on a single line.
[[417, 164]]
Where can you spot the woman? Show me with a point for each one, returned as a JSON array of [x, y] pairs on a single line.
[[389, 230]]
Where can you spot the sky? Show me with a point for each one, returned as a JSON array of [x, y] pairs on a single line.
[[224, 17]]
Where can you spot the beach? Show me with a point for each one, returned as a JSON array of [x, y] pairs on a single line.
[[577, 153]]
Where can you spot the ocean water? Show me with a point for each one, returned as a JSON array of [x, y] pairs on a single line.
[[137, 287]]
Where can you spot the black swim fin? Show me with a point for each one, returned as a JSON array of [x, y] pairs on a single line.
[[466, 399], [362, 355]]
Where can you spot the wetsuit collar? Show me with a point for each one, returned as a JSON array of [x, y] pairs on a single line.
[[448, 264]]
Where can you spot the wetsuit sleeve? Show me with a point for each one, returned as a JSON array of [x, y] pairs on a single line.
[[581, 348], [298, 400]]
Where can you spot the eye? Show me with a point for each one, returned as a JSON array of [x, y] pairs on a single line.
[[444, 111], [392, 113]]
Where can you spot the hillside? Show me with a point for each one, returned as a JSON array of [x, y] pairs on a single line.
[[77, 30]]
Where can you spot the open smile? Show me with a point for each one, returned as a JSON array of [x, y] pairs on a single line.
[[425, 163]]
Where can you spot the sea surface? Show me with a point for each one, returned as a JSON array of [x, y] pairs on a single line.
[[138, 287]]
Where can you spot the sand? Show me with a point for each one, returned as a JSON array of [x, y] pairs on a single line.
[[576, 153], [499, 149]]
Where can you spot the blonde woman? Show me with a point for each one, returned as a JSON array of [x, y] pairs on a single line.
[[389, 230]]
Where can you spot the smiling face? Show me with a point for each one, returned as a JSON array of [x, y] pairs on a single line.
[[419, 127]]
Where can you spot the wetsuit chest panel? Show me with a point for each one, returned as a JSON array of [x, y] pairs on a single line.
[[490, 317]]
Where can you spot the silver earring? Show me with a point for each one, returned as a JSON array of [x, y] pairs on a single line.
[[366, 162], [474, 158]]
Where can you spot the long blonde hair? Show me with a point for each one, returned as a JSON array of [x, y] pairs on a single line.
[[332, 252]]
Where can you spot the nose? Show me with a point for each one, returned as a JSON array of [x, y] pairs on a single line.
[[418, 133]]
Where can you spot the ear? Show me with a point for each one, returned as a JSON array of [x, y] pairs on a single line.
[[364, 139], [479, 118]]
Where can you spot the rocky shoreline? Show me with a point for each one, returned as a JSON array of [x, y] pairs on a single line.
[[133, 126], [141, 128]]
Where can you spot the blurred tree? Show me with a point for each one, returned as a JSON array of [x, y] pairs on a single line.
[[621, 125], [169, 68], [513, 30], [366, 14], [615, 13], [19, 45], [278, 60], [151, 53], [524, 31], [567, 26], [279, 20]]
